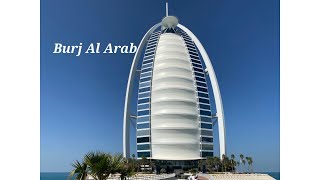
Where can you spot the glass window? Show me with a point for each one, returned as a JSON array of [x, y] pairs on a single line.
[[187, 38], [206, 113], [193, 53], [143, 119], [147, 61], [199, 74], [197, 69], [206, 119], [143, 95], [146, 65], [200, 94], [205, 139], [206, 126], [204, 100], [204, 106], [200, 79], [145, 79], [201, 84], [143, 106], [152, 44], [189, 41], [190, 45], [143, 126], [196, 65], [143, 147], [193, 56], [144, 89], [144, 84], [142, 113], [143, 132], [148, 74], [148, 52], [206, 133], [140, 101], [207, 147], [144, 154], [196, 61], [143, 140], [207, 154], [152, 40], [147, 58], [149, 47], [145, 70], [201, 89]]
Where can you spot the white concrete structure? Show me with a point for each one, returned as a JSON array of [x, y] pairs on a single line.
[[174, 119], [174, 111]]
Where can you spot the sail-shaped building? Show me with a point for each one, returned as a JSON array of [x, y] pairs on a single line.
[[174, 119]]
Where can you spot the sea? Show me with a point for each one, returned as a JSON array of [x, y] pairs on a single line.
[[64, 175]]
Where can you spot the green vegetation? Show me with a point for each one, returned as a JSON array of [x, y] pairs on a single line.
[[163, 171], [250, 162], [226, 164], [100, 165]]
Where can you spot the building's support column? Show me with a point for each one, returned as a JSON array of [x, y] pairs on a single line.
[[215, 87], [127, 114]]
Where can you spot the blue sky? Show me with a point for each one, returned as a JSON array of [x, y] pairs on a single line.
[[82, 97]]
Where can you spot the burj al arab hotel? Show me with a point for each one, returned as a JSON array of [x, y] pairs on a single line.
[[174, 119]]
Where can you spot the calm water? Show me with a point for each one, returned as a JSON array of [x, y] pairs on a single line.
[[54, 176], [275, 175], [64, 176]]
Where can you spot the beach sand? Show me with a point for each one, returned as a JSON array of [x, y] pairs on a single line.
[[230, 176]]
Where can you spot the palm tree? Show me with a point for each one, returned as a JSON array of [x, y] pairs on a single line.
[[250, 162], [144, 162], [100, 164], [223, 162], [238, 164], [213, 163], [117, 163], [210, 163], [241, 160], [217, 163], [232, 162], [126, 170], [81, 169], [247, 158], [201, 164]]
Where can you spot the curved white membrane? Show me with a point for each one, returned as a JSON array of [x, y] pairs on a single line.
[[174, 112]]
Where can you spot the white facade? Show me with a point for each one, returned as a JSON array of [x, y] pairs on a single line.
[[174, 112]]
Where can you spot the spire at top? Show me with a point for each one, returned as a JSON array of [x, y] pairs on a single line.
[[167, 8], [169, 21]]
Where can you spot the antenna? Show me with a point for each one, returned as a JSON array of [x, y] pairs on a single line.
[[167, 8]]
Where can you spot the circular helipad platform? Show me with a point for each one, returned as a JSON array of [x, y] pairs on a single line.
[[170, 22]]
